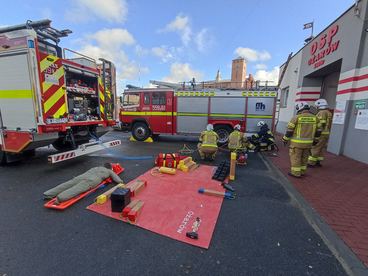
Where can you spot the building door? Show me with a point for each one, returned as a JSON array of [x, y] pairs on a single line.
[[329, 88]]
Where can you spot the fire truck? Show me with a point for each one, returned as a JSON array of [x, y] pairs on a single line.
[[169, 111], [47, 98]]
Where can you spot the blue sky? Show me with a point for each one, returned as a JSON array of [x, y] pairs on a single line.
[[176, 40]]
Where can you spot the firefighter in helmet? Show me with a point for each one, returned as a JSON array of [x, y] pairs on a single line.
[[236, 139], [264, 137], [207, 145], [325, 119], [302, 131]]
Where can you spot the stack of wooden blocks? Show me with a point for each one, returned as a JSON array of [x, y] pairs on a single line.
[[187, 164]]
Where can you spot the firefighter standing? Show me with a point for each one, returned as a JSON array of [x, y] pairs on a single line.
[[325, 119], [207, 145], [302, 131]]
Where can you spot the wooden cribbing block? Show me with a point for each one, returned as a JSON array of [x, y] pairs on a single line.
[[136, 187], [102, 198], [129, 207], [187, 164], [135, 212]]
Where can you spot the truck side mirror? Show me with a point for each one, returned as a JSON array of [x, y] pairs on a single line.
[[121, 99]]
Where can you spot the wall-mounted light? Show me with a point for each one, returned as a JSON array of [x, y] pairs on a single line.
[[296, 70]]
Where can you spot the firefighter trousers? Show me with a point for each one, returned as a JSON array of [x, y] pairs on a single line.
[[298, 160], [317, 151], [205, 151]]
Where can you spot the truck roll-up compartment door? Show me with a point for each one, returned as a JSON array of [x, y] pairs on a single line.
[[17, 103]]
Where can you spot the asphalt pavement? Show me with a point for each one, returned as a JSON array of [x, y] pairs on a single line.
[[261, 232]]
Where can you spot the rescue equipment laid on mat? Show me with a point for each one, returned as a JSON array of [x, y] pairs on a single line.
[[169, 160]]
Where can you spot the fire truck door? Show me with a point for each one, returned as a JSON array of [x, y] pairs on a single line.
[[159, 121]]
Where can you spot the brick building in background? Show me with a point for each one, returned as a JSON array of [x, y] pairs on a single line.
[[239, 79]]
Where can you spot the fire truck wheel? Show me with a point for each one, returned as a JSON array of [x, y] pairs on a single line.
[[2, 158], [223, 131], [140, 131]]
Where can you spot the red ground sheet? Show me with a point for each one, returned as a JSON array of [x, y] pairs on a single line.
[[172, 203]]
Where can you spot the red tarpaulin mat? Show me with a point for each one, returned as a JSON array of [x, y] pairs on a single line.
[[172, 203]]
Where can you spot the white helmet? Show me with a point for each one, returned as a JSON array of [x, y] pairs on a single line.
[[321, 104], [299, 106], [261, 123], [237, 127], [209, 127]]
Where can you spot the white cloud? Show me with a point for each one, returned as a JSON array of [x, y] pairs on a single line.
[[180, 72], [252, 55], [86, 10], [264, 75], [181, 26], [164, 53], [203, 40], [109, 44], [261, 66], [113, 38]]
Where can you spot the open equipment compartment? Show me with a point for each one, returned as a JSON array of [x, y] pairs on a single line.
[[82, 94]]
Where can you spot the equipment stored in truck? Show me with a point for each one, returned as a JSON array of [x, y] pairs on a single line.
[[47, 98]]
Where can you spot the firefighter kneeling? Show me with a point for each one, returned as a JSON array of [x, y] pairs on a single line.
[[264, 139], [207, 145], [303, 131]]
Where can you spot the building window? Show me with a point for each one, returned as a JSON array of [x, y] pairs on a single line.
[[284, 97]]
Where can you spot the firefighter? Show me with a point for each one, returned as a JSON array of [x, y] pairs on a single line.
[[302, 131], [207, 145], [325, 119], [263, 136], [236, 139]]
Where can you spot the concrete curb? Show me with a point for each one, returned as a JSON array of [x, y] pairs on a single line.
[[347, 258]]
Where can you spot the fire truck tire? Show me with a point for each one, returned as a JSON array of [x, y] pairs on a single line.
[[2, 158], [223, 131], [140, 131]]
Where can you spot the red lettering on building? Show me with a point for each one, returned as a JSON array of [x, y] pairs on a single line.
[[325, 46]]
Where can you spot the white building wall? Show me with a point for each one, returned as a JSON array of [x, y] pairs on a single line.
[[290, 80]]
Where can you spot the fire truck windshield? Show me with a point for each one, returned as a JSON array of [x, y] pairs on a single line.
[[131, 99]]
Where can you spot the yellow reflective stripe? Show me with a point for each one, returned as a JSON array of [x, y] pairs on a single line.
[[298, 128], [15, 94], [303, 168], [226, 115], [322, 121], [325, 132], [291, 125], [102, 96], [54, 98], [57, 75], [60, 112], [191, 114], [209, 145], [312, 158], [260, 116], [321, 158], [286, 138], [47, 61], [307, 119], [145, 113], [302, 141], [296, 169]]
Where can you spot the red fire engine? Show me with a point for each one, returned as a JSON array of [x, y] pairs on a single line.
[[157, 111], [46, 98]]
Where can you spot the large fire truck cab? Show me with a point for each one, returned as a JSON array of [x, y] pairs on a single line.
[[47, 98], [166, 111]]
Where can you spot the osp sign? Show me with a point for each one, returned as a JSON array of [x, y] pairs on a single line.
[[323, 47]]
